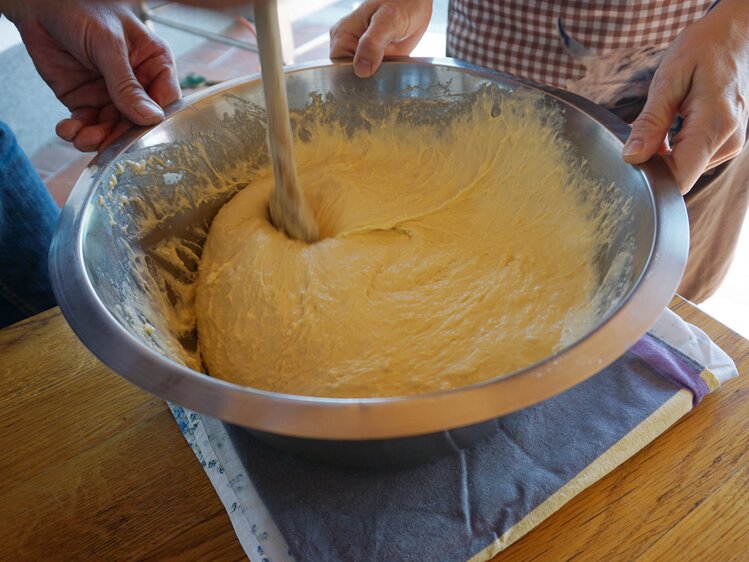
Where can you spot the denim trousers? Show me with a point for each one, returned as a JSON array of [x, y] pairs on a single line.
[[28, 216]]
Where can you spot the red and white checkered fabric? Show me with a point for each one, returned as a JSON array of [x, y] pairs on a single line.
[[521, 37]]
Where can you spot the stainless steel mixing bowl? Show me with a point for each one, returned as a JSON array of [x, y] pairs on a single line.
[[120, 292]]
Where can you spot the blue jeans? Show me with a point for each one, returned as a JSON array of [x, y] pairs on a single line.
[[28, 216]]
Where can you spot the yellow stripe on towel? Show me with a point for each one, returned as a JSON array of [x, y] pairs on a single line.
[[710, 379]]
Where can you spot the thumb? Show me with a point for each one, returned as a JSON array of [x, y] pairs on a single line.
[[652, 125], [384, 29], [127, 94]]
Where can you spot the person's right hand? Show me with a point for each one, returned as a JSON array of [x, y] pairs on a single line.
[[378, 28]]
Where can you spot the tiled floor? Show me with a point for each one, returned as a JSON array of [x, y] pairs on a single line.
[[60, 165]]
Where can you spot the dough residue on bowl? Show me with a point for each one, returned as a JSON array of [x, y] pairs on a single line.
[[448, 255]]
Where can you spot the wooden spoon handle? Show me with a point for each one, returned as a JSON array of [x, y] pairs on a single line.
[[289, 209]]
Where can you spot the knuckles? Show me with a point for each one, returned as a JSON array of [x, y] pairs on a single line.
[[734, 145], [126, 87], [729, 111]]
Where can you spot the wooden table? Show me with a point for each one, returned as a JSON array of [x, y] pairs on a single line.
[[92, 467]]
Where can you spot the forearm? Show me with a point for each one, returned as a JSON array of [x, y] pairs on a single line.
[[10, 8], [4, 7], [17, 10], [14, 10]]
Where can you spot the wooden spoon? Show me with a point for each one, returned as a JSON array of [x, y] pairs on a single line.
[[289, 210]]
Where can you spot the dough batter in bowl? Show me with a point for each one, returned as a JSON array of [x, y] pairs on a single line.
[[448, 255]]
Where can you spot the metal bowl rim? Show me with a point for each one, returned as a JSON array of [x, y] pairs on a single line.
[[663, 193]]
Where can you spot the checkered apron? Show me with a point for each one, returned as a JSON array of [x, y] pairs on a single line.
[[521, 37]]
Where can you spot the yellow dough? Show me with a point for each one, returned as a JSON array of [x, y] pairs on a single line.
[[448, 256]]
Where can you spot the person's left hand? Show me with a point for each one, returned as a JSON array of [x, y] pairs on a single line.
[[102, 63], [704, 77]]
